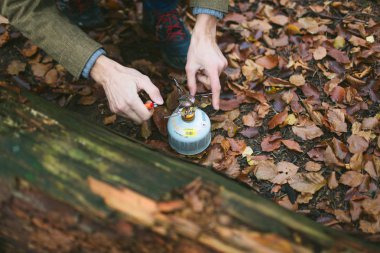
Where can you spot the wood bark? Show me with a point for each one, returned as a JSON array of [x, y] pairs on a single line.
[[100, 173]]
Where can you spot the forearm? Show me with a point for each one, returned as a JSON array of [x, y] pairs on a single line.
[[40, 21]]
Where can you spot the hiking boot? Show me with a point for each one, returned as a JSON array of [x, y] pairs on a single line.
[[171, 33], [86, 14]]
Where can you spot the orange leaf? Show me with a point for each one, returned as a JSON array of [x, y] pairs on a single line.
[[292, 145], [278, 119], [268, 61]]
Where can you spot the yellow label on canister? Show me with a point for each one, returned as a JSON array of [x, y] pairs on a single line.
[[189, 132]]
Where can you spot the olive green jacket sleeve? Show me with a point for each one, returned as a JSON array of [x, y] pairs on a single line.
[[219, 5], [40, 21]]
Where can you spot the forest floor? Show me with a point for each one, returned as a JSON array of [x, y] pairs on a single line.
[[299, 118]]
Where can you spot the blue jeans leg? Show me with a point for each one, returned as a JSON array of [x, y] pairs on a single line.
[[160, 5]]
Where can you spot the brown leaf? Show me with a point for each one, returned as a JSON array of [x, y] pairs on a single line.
[[250, 132], [230, 104], [339, 148], [338, 55], [369, 167], [256, 95], [319, 53], [351, 178], [237, 145], [292, 145], [285, 202], [280, 20], [297, 80], [313, 166], [40, 69], [338, 94], [146, 130], [231, 128], [268, 61], [370, 123], [357, 144], [109, 119], [87, 100], [307, 132], [369, 227], [159, 119], [271, 142], [332, 182], [330, 158], [309, 24], [357, 41], [307, 182], [278, 119], [51, 76], [252, 71], [336, 119], [262, 110], [29, 49], [342, 216], [265, 170], [172, 100], [215, 154], [356, 161], [233, 73], [250, 119], [286, 170], [229, 166], [4, 38], [234, 17], [15, 67]]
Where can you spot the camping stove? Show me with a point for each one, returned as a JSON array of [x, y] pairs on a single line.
[[189, 128]]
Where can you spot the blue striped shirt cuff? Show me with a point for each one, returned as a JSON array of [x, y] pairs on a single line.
[[199, 10], [90, 63]]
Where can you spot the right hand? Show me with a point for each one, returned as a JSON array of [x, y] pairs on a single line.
[[122, 85]]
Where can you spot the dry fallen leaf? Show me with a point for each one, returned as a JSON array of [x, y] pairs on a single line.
[[357, 144], [268, 61], [332, 182], [336, 119], [313, 166], [307, 132], [145, 129], [330, 158], [319, 53], [271, 142], [15, 67], [351, 178], [292, 145], [297, 80], [278, 119], [307, 182], [250, 132], [109, 119], [87, 100], [286, 170], [159, 119], [265, 170]]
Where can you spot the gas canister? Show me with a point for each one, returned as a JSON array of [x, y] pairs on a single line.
[[189, 128], [189, 131]]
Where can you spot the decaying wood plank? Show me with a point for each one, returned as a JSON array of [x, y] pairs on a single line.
[[99, 172]]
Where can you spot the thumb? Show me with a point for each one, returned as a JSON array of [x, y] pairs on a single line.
[[153, 92], [191, 81]]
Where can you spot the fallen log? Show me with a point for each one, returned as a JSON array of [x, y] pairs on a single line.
[[99, 172]]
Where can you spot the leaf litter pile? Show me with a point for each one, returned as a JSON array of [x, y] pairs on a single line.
[[299, 118]]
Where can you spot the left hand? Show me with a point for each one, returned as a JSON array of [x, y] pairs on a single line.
[[204, 54]]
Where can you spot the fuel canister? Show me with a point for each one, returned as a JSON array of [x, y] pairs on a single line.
[[189, 131]]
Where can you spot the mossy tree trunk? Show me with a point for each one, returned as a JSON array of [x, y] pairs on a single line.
[[99, 172]]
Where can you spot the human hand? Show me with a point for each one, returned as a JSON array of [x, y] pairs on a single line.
[[122, 85], [204, 54]]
